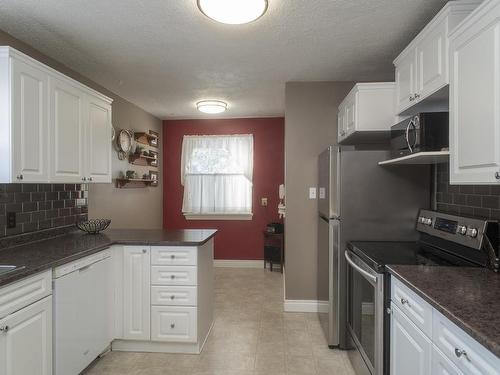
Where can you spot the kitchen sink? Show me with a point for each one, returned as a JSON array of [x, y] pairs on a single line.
[[6, 268]]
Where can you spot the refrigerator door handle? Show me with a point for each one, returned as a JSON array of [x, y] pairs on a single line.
[[367, 275]]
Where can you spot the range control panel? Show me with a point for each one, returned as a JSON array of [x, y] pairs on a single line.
[[465, 231]]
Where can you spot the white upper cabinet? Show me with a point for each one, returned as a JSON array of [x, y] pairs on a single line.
[[66, 121], [422, 73], [52, 128], [366, 114], [475, 98], [98, 133]]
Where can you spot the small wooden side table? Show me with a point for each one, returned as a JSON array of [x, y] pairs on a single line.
[[274, 249]]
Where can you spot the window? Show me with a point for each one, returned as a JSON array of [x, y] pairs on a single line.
[[216, 172]]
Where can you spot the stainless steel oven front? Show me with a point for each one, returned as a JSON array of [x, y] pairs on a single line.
[[365, 316]]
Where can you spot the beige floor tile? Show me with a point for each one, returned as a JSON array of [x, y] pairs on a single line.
[[298, 365], [271, 362]]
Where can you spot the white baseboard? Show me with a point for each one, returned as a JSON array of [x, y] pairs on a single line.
[[313, 306], [238, 263]]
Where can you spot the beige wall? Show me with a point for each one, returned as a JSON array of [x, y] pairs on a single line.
[[127, 208], [310, 126]]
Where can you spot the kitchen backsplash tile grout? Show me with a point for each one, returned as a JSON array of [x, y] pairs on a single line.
[[42, 206], [467, 200]]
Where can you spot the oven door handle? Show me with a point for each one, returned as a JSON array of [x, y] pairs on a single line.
[[359, 269], [407, 136]]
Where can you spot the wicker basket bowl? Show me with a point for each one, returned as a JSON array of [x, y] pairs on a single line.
[[93, 226]]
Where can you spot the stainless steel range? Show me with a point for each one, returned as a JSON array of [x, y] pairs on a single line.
[[445, 240]]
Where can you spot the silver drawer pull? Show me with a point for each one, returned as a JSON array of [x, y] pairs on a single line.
[[404, 301], [460, 352], [172, 325], [4, 329], [172, 297], [172, 277], [172, 256], [144, 251]]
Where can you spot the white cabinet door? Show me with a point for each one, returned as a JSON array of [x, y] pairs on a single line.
[[66, 131], [405, 81], [410, 348], [136, 293], [475, 98], [98, 140], [29, 123], [432, 61], [341, 124], [26, 340], [442, 365], [350, 115]]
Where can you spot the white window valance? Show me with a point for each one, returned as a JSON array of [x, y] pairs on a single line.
[[217, 173]]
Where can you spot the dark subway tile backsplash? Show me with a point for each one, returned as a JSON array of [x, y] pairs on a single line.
[[41, 206], [466, 200]]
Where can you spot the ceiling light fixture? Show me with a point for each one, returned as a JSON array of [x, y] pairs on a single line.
[[233, 12], [211, 106]]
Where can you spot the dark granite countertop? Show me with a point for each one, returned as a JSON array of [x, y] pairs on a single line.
[[469, 297], [42, 255]]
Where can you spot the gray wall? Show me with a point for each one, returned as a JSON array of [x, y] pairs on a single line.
[[310, 126], [138, 208]]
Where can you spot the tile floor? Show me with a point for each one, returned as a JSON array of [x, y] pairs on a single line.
[[251, 336]]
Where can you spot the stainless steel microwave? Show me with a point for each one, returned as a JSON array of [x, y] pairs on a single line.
[[427, 131]]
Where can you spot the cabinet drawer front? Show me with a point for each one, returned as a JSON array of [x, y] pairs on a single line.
[[174, 324], [22, 293], [173, 275], [415, 308], [451, 340], [442, 365], [173, 295], [173, 256]]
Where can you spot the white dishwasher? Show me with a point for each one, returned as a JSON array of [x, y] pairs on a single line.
[[82, 312]]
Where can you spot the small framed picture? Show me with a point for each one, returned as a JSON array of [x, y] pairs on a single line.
[[153, 139], [153, 176], [153, 162]]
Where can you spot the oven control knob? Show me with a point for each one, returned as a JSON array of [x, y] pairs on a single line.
[[462, 229], [428, 221], [472, 232], [421, 219]]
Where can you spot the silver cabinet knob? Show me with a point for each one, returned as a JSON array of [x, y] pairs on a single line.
[[172, 297], [172, 256], [144, 251], [4, 329], [497, 175], [404, 301], [461, 353], [172, 277], [416, 96], [84, 178], [19, 177], [172, 325], [411, 98], [90, 178]]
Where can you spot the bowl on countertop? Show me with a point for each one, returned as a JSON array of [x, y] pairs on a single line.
[[93, 226]]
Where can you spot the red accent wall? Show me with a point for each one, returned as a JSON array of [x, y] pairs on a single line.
[[236, 239]]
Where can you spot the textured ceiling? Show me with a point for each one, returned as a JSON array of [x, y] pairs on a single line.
[[164, 55]]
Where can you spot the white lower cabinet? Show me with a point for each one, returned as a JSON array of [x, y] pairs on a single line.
[[173, 323], [26, 340], [432, 344], [410, 348], [136, 293], [442, 365]]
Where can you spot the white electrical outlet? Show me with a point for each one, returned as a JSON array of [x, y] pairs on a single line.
[[312, 193]]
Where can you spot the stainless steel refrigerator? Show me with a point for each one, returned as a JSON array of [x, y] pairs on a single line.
[[360, 200]]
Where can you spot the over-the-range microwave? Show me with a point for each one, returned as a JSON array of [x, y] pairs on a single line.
[[426, 131]]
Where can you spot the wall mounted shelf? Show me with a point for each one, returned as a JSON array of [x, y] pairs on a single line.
[[146, 139], [431, 157], [122, 183], [143, 160]]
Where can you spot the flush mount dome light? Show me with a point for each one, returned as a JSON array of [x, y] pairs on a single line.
[[211, 106], [234, 12]]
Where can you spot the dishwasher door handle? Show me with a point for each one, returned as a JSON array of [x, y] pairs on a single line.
[[366, 274]]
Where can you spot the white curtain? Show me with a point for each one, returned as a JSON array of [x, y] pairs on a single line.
[[217, 172]]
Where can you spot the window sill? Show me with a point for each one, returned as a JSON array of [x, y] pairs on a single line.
[[189, 216]]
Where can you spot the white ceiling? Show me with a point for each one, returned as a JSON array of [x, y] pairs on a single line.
[[165, 55]]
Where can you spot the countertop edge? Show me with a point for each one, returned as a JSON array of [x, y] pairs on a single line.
[[493, 347]]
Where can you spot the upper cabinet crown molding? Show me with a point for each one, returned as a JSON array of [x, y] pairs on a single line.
[[475, 97], [366, 114], [422, 68], [52, 128]]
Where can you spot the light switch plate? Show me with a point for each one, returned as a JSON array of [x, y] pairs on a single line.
[[263, 202], [312, 193]]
